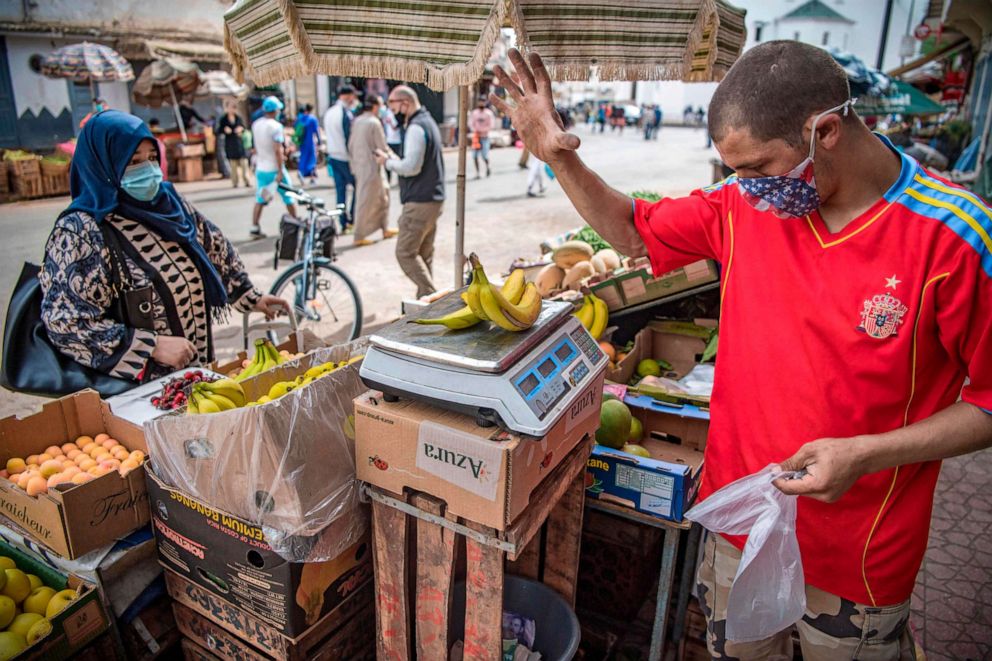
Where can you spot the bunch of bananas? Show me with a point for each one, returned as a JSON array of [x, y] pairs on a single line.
[[266, 357], [513, 307], [317, 371], [215, 396], [594, 315]]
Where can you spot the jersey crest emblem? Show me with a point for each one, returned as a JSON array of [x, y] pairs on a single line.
[[881, 316]]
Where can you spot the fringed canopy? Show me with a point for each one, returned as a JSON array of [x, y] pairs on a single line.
[[447, 43]]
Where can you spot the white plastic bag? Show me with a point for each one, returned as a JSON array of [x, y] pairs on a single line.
[[769, 592]]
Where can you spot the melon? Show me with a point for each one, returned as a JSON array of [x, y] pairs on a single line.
[[598, 264], [549, 279], [571, 253], [614, 424], [579, 272], [637, 450], [609, 257]]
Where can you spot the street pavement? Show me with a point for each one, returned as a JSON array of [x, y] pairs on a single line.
[[951, 614]]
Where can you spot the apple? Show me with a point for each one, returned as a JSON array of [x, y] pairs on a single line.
[[16, 465]]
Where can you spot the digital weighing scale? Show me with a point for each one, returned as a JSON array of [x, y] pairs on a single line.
[[519, 381]]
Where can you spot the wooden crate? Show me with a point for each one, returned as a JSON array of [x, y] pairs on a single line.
[[425, 570], [4, 179], [28, 186], [193, 652], [27, 167], [53, 169], [55, 184], [189, 169]]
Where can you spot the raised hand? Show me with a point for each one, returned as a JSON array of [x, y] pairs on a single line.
[[533, 109]]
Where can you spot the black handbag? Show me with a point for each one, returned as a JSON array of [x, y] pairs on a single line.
[[32, 364]]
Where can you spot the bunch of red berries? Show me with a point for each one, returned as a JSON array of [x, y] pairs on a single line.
[[176, 390]]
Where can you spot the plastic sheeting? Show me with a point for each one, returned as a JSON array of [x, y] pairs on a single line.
[[287, 465]]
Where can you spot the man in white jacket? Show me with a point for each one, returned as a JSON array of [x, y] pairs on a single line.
[[337, 129]]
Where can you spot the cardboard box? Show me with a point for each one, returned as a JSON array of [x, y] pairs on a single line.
[[74, 521], [82, 621], [664, 340], [231, 558], [485, 475], [640, 285], [664, 485], [288, 464], [125, 568], [347, 632]]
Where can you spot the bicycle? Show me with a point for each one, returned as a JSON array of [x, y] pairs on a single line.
[[324, 298]]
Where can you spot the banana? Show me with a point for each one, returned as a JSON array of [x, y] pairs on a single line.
[[472, 294], [513, 288], [227, 388], [466, 317], [274, 353], [207, 405], [528, 309], [601, 317], [488, 300], [462, 318], [192, 408], [256, 363], [223, 403], [586, 313]]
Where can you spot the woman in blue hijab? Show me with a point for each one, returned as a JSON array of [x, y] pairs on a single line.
[[179, 271]]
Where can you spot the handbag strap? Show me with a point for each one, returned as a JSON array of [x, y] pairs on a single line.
[[120, 276]]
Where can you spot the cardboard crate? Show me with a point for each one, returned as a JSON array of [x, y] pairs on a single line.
[[230, 558], [82, 621], [664, 485], [287, 464], [485, 475], [189, 169], [640, 286], [660, 340], [347, 632], [74, 521]]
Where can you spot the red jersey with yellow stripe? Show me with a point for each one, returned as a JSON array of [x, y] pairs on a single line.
[[836, 335]]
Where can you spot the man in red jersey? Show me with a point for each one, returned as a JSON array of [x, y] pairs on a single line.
[[856, 300]]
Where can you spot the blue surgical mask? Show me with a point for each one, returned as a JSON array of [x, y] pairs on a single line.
[[793, 194], [142, 181]]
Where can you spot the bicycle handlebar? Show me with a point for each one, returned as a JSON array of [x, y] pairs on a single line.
[[310, 201]]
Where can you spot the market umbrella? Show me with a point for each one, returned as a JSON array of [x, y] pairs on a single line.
[[901, 98], [444, 44], [87, 63], [863, 79], [220, 83], [163, 82]]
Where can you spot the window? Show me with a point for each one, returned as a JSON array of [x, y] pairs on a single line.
[[795, 36], [826, 39], [758, 28]]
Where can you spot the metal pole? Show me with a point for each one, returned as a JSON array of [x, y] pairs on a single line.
[[175, 109], [885, 34], [460, 183], [909, 26]]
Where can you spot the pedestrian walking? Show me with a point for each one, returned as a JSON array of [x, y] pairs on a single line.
[[270, 163], [481, 121], [535, 177], [394, 138], [371, 189], [658, 117], [183, 272], [337, 130], [308, 128], [421, 175], [231, 128]]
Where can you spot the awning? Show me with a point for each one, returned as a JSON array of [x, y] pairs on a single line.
[[160, 49], [901, 98], [447, 44]]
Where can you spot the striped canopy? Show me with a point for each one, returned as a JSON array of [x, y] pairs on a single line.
[[87, 63], [444, 44], [163, 81], [220, 83]]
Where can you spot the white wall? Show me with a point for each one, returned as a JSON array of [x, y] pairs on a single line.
[[32, 91]]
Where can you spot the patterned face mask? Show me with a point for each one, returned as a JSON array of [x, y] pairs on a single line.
[[793, 194]]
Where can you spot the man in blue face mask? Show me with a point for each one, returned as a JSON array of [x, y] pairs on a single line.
[[856, 300]]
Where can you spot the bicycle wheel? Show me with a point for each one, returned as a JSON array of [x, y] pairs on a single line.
[[332, 309]]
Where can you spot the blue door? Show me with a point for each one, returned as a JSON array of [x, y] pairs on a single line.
[[8, 113], [81, 98]]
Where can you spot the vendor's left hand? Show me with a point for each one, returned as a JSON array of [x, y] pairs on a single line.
[[832, 467], [271, 306]]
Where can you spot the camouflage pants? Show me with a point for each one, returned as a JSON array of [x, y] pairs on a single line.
[[831, 629]]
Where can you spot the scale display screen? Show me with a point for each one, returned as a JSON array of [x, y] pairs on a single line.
[[546, 379]]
